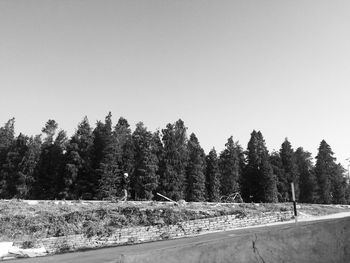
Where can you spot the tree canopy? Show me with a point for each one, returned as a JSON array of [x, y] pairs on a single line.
[[93, 162]]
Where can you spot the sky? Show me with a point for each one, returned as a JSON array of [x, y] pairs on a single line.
[[225, 67]]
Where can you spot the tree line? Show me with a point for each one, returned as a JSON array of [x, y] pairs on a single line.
[[91, 165]]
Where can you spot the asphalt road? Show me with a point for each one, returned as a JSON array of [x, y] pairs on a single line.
[[112, 254]]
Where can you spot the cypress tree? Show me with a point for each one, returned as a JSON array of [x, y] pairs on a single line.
[[157, 142], [290, 171], [307, 181], [174, 161], [338, 185], [324, 169], [213, 176], [106, 156], [124, 152], [49, 180], [278, 171], [347, 192], [12, 167], [7, 137], [78, 168], [229, 164], [182, 151], [195, 171], [29, 168], [258, 182], [100, 142], [145, 178]]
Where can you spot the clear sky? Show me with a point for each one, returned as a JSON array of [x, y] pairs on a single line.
[[224, 67]]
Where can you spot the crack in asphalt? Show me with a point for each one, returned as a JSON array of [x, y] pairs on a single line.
[[256, 251]]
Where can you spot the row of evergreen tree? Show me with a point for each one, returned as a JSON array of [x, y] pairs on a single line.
[[91, 165]]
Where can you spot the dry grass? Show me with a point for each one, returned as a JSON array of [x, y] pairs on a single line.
[[26, 220]]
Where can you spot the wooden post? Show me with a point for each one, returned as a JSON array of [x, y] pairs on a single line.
[[294, 204]]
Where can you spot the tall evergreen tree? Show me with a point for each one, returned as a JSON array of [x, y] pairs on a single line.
[[213, 176], [106, 156], [7, 137], [28, 167], [347, 192], [49, 180], [124, 151], [290, 172], [145, 178], [78, 181], [229, 164], [100, 142], [92, 163], [159, 152], [338, 185], [278, 171], [157, 141], [195, 191], [258, 182], [324, 169], [173, 166], [307, 181], [11, 168]]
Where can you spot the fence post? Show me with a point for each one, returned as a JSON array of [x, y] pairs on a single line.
[[294, 204]]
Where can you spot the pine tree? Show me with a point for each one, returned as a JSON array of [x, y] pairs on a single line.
[[28, 167], [213, 176], [331, 183], [195, 191], [250, 179], [324, 169], [49, 181], [290, 172], [278, 171], [159, 152], [158, 145], [145, 178], [11, 169], [106, 160], [174, 161], [124, 152], [347, 193], [258, 182], [229, 164], [78, 181], [100, 142], [338, 185], [268, 181], [7, 137], [307, 181]]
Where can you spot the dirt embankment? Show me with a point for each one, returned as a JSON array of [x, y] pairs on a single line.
[[31, 220]]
